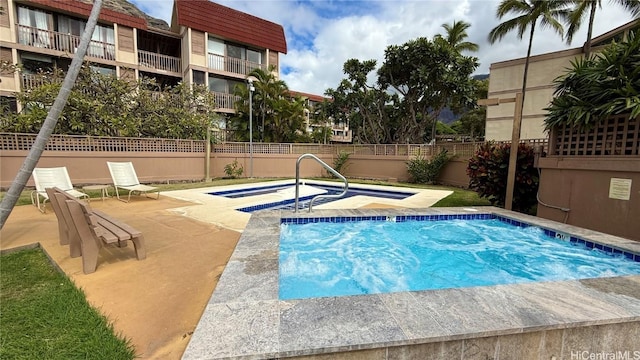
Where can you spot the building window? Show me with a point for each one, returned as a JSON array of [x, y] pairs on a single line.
[[216, 53], [33, 27], [103, 70], [8, 104], [102, 43], [198, 77]]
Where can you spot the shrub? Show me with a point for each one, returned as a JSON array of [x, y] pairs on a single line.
[[423, 171], [340, 162], [233, 170], [488, 170]]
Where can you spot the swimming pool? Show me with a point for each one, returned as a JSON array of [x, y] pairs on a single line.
[[245, 319], [382, 255], [308, 190]]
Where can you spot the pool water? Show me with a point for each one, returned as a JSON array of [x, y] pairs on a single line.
[[369, 257], [289, 204]]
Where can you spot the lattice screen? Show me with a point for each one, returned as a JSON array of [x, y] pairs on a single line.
[[616, 136]]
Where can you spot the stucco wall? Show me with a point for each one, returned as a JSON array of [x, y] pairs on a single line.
[[506, 79], [91, 167], [583, 184]]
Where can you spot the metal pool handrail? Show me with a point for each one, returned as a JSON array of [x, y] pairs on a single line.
[[330, 169]]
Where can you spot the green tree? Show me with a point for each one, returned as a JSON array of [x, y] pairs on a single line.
[[595, 88], [430, 75], [365, 107], [579, 11], [268, 88], [456, 35], [18, 184], [527, 14], [473, 122], [103, 105], [284, 115]]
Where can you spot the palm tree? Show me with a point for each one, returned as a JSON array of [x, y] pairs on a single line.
[[268, 88], [579, 10], [528, 13], [18, 184], [456, 34]]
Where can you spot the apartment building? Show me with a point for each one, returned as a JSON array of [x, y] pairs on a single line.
[[340, 133], [206, 43], [505, 80]]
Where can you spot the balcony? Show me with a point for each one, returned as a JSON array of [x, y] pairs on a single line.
[[53, 40], [159, 62], [30, 81], [341, 134], [225, 102], [233, 65]]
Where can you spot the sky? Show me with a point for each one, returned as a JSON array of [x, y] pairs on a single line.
[[323, 34]]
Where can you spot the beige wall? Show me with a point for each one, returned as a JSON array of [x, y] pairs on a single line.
[[582, 185], [506, 79], [91, 168]]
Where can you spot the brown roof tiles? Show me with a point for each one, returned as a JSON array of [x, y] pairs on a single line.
[[231, 24]]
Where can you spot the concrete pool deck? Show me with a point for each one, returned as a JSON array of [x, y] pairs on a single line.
[[220, 210], [190, 236], [244, 318]]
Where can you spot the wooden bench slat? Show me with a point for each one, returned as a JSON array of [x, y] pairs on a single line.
[[106, 235], [90, 229], [104, 218]]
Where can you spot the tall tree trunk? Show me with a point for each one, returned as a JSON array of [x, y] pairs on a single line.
[[592, 16], [526, 64], [18, 184]]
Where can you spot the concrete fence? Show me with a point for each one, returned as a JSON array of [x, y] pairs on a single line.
[[167, 160]]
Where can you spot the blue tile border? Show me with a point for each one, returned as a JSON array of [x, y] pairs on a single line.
[[483, 216]]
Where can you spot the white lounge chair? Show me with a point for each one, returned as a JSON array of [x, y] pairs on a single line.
[[124, 177], [49, 178]]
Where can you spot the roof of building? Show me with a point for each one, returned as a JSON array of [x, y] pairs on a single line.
[[312, 97], [230, 24], [84, 9]]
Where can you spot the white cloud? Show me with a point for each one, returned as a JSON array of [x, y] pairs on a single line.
[[322, 35]]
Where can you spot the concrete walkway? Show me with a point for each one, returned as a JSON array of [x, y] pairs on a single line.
[[157, 302]]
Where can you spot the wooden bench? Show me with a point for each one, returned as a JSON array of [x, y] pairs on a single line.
[[87, 231]]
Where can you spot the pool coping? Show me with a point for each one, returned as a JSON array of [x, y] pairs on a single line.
[[244, 318]]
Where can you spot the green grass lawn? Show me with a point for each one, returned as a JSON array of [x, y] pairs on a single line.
[[44, 316]]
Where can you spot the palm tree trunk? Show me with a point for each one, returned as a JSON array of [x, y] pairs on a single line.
[[587, 45], [18, 184], [526, 63]]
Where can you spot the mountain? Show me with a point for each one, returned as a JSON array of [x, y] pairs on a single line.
[[480, 77], [125, 7]]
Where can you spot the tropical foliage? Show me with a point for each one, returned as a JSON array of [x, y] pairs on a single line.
[[103, 105], [414, 83], [527, 14], [424, 171], [456, 35], [580, 9], [472, 122], [277, 115], [488, 170], [595, 88]]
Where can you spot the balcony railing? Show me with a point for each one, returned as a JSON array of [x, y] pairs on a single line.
[[224, 100], [54, 40], [159, 61], [30, 81], [233, 65]]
